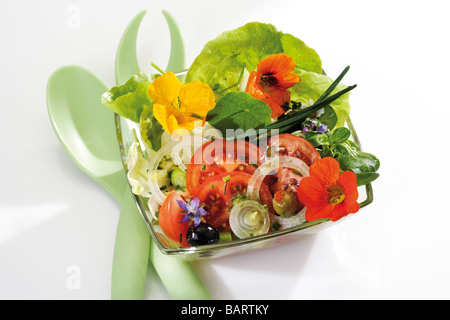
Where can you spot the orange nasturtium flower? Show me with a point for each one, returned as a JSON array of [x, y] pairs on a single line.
[[327, 193], [180, 106], [270, 81]]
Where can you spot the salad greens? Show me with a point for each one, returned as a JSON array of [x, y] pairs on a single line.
[[131, 98], [250, 78], [311, 86], [223, 60], [337, 144], [151, 130], [137, 167], [222, 64], [237, 110]]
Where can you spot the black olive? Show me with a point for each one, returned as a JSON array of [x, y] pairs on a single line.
[[202, 234]]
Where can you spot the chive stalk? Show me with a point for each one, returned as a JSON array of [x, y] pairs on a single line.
[[293, 119]]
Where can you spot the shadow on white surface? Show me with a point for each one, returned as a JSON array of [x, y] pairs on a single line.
[[257, 274]]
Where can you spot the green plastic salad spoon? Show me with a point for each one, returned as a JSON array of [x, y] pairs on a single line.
[[85, 127], [87, 132], [179, 277]]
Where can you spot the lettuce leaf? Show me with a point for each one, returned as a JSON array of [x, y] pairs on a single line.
[[222, 61], [130, 99], [137, 167], [138, 171], [236, 110], [311, 87], [305, 57], [151, 130]]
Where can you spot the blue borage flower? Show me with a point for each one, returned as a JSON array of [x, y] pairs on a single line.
[[193, 210], [322, 128], [310, 125]]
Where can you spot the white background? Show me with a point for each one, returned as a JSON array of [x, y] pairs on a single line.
[[53, 217]]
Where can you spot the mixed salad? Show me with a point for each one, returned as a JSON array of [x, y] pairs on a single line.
[[251, 140]]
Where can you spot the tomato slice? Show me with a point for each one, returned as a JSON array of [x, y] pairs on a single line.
[[284, 179], [289, 145], [219, 157], [217, 194], [170, 215]]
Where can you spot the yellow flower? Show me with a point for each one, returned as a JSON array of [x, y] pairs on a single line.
[[180, 106]]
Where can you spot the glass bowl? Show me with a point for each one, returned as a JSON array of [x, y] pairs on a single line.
[[128, 132]]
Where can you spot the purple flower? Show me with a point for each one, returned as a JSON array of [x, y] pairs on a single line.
[[310, 125], [322, 128], [192, 210]]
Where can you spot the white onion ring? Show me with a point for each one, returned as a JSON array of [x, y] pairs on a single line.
[[183, 143], [186, 146], [271, 165], [176, 158], [153, 206], [240, 223], [293, 221], [268, 167]]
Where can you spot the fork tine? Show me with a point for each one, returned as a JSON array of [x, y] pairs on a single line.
[[177, 59], [126, 58]]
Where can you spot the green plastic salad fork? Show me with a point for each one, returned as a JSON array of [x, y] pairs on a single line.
[[126, 59], [86, 130]]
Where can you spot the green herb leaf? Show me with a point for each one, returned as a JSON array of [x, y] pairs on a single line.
[[130, 99], [226, 179], [340, 135], [317, 139], [151, 130], [328, 117], [239, 110], [363, 164], [276, 226]]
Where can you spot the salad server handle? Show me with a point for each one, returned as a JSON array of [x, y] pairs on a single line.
[[115, 183], [178, 276], [131, 248]]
